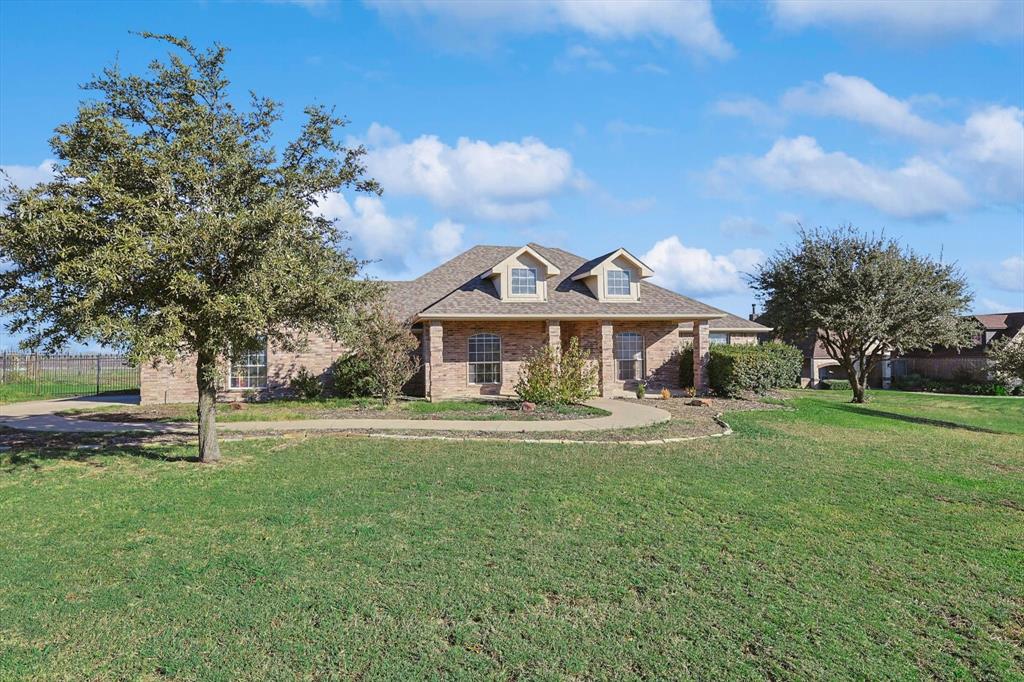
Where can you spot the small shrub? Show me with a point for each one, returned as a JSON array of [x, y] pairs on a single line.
[[306, 385], [665, 394], [641, 389], [350, 377], [835, 384], [538, 377], [549, 377], [733, 370]]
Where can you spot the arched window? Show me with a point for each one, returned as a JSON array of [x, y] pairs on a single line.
[[629, 356], [485, 359]]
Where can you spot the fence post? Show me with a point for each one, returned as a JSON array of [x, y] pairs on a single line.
[[3, 370], [97, 375]]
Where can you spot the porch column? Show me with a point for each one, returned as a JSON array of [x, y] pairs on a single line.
[[435, 356], [554, 330], [701, 344], [607, 378]]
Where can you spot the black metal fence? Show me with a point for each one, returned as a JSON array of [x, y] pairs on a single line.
[[27, 376]]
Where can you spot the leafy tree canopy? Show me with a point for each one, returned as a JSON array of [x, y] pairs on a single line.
[[173, 226], [862, 296]]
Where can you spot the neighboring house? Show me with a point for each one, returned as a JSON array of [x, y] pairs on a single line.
[[972, 362], [479, 315]]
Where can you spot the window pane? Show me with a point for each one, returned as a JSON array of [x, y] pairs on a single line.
[[629, 355], [484, 359], [718, 338], [524, 281], [249, 367], [618, 283]]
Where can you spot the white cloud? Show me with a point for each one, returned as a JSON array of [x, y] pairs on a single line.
[[651, 67], [580, 56], [993, 144], [749, 108], [376, 234], [696, 271], [27, 176], [855, 98], [987, 305], [1009, 275], [984, 19], [736, 226], [505, 181], [917, 189], [689, 24], [445, 239]]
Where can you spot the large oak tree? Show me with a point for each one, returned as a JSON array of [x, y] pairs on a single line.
[[862, 296], [174, 228]]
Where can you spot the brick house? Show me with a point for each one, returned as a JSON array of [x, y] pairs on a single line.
[[970, 362], [479, 315]]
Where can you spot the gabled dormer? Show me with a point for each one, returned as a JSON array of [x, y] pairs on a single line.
[[614, 277], [523, 276]]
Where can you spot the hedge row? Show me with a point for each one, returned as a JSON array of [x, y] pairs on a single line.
[[733, 370], [835, 384]]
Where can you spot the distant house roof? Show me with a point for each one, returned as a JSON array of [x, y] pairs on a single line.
[[991, 328], [462, 287]]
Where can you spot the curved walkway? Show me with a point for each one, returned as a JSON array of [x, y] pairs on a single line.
[[40, 416]]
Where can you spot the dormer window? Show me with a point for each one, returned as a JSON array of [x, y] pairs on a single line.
[[524, 281], [618, 283]]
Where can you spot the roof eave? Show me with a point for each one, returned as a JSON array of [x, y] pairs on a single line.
[[560, 316]]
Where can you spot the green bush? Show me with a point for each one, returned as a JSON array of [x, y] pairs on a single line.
[[350, 377], [306, 385], [835, 384], [686, 366], [734, 370], [549, 377]]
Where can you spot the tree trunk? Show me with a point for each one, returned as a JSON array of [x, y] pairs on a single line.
[[206, 382], [859, 383]]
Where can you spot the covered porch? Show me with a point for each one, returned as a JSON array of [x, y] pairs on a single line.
[[482, 357]]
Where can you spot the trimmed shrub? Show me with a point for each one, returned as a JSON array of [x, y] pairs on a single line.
[[686, 366], [835, 384], [350, 377], [548, 377], [734, 370], [306, 385]]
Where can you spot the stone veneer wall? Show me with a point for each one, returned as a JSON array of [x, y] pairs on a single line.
[[176, 382]]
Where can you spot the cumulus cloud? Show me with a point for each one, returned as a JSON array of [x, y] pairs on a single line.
[[504, 181], [917, 189], [697, 271], [27, 176], [581, 56], [689, 24], [377, 235], [445, 239], [858, 99], [993, 145], [1009, 274], [984, 19]]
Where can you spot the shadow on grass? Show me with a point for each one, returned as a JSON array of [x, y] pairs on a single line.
[[925, 421], [21, 449]]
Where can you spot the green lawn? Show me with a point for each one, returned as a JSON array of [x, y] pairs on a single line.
[[830, 541], [21, 391], [327, 408]]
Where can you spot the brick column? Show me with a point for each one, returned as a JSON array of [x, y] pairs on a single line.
[[554, 334], [701, 344], [435, 355], [607, 359]]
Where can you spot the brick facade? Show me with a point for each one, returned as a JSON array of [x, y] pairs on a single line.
[[445, 356], [176, 383]]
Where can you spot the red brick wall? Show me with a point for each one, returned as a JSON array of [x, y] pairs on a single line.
[[176, 382]]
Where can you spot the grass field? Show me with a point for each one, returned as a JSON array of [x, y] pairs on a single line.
[[828, 541], [67, 385], [339, 408]]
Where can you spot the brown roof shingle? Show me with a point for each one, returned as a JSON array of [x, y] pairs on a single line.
[[460, 288]]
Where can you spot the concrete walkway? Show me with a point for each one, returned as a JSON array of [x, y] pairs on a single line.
[[39, 416]]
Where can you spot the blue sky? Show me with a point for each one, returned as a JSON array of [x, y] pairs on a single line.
[[695, 135]]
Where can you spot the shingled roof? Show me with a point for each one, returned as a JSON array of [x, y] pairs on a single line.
[[460, 288], [735, 323]]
